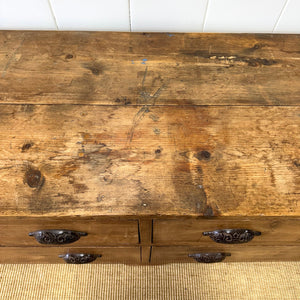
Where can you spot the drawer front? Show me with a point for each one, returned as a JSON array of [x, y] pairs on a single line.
[[17, 255], [274, 231], [100, 232], [238, 253]]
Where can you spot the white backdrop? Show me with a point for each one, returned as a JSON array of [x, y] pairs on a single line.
[[278, 16]]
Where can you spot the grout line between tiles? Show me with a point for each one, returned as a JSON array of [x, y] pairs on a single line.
[[205, 16], [52, 13], [280, 15], [129, 8]]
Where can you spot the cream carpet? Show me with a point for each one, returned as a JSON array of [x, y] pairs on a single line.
[[174, 281]]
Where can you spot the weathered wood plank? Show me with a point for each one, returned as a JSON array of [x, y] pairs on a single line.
[[238, 253], [134, 68], [188, 231], [67, 160], [47, 255], [100, 231]]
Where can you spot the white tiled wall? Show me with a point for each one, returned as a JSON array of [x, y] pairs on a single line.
[[168, 15], [289, 20], [91, 14], [153, 15], [26, 14], [242, 15]]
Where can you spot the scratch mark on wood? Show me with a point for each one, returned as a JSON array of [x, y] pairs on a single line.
[[153, 117], [157, 93], [136, 120], [145, 75], [146, 98]]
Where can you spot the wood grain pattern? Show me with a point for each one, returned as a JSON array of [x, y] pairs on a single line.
[[188, 231], [101, 232], [137, 69], [178, 254], [102, 132], [42, 255], [66, 160]]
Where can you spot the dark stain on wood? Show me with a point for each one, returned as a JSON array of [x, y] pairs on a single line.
[[96, 68], [203, 155], [65, 200], [27, 146], [201, 206], [258, 46], [232, 58], [80, 188], [34, 178], [83, 87], [144, 195], [123, 100], [156, 131], [40, 205], [69, 56], [255, 62], [208, 212], [188, 185], [67, 168], [158, 153]]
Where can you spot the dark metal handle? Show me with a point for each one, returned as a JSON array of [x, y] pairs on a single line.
[[79, 258], [209, 257], [232, 236], [57, 236]]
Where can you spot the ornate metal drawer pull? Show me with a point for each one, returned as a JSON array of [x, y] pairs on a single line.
[[79, 258], [232, 236], [57, 236], [209, 257]]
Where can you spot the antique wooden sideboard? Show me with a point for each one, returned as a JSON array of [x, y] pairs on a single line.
[[149, 148]]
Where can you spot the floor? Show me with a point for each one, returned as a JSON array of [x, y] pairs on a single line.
[[272, 280]]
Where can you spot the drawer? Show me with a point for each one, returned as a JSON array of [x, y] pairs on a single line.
[[39, 255], [274, 231], [237, 253], [100, 232]]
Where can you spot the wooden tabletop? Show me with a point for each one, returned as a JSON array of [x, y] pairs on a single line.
[[149, 124], [135, 68]]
